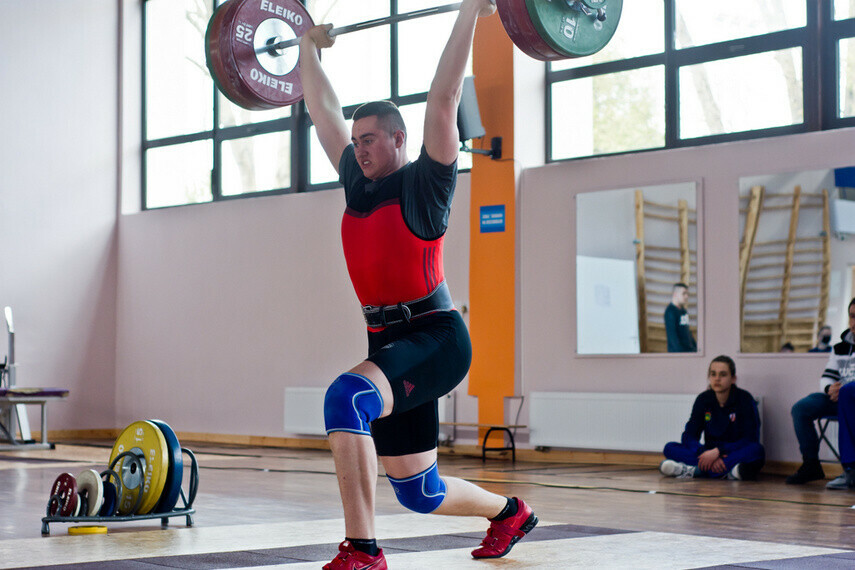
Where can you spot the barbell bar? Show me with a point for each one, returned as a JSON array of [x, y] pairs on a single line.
[[374, 23], [247, 41], [585, 6]]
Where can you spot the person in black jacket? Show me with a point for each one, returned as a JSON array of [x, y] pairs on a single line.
[[727, 417], [677, 329]]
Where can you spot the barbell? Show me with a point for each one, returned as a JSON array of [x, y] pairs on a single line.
[[252, 46]]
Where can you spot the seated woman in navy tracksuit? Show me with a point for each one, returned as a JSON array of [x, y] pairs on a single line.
[[727, 417]]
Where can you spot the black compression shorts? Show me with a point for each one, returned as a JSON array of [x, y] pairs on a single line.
[[423, 361]]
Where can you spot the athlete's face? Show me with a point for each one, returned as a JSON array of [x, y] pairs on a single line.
[[681, 297], [852, 318], [379, 153], [720, 378]]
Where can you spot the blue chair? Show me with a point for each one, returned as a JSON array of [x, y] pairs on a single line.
[[822, 424]]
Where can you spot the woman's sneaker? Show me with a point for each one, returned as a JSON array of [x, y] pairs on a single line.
[[745, 471], [504, 534], [671, 468], [351, 559]]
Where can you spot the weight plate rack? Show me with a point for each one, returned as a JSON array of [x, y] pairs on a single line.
[[131, 461]]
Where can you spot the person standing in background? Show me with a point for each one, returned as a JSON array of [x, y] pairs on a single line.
[[677, 329]]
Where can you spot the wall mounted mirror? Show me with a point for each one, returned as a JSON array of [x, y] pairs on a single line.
[[796, 258], [632, 246]]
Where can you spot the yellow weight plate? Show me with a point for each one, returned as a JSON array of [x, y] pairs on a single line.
[[146, 440], [87, 530]]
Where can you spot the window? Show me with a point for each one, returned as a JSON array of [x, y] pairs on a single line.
[[846, 85], [745, 93], [200, 147], [682, 72], [597, 122]]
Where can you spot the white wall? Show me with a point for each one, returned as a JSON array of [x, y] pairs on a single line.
[[58, 180], [221, 306], [202, 315], [548, 241], [607, 227]]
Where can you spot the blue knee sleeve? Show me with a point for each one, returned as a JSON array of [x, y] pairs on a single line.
[[422, 493], [352, 402]]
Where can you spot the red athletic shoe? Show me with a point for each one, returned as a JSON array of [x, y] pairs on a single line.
[[351, 559], [503, 535]]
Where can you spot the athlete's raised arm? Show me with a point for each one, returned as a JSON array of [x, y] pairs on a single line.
[[440, 133], [321, 100]]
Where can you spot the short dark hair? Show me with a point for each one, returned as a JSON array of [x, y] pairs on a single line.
[[727, 360], [683, 285], [387, 113], [852, 302]]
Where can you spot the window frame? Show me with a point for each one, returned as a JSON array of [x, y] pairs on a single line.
[[818, 41], [299, 125]]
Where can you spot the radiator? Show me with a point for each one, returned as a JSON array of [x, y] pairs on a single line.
[[625, 422], [304, 410]]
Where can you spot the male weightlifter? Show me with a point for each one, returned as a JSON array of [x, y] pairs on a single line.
[[418, 346]]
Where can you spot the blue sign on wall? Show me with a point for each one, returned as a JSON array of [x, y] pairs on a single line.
[[844, 177], [492, 219]]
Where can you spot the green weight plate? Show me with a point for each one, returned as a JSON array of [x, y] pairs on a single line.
[[517, 24], [146, 440], [569, 30]]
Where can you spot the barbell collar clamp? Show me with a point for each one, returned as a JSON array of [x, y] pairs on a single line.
[[586, 9]]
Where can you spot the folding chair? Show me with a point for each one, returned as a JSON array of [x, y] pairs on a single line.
[[822, 424]]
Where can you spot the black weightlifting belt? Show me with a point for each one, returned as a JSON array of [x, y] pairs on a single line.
[[438, 300]]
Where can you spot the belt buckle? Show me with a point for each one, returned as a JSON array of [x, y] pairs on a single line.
[[380, 311], [405, 312], [368, 311]]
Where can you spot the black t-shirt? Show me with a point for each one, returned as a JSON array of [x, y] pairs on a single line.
[[425, 188]]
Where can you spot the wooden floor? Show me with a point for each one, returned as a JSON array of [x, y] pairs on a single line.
[[269, 507]]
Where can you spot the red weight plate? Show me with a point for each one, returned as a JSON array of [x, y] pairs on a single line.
[[219, 60], [272, 80], [65, 487], [517, 22], [243, 96]]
